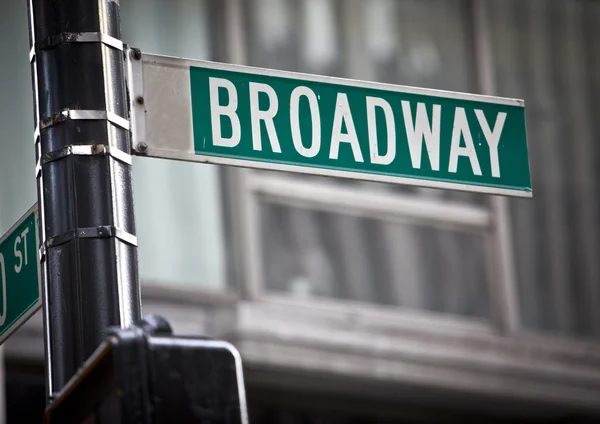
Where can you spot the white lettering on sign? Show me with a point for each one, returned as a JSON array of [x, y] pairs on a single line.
[[313, 104], [217, 110], [492, 137], [376, 157], [257, 115], [461, 129], [3, 278], [20, 254], [421, 130], [344, 116]]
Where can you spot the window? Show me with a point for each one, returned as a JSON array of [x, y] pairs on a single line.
[[333, 254], [178, 205], [520, 264], [387, 244]]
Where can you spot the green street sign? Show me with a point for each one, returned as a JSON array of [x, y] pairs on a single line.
[[259, 118], [20, 293]]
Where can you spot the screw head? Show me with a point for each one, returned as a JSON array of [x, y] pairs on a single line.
[[136, 54], [139, 100], [142, 147]]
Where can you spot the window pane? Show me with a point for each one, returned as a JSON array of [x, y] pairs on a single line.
[[310, 253], [547, 53], [178, 205], [17, 155]]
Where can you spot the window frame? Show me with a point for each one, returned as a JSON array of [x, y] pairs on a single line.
[[492, 222]]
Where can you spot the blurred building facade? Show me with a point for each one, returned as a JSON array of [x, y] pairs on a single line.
[[356, 302]]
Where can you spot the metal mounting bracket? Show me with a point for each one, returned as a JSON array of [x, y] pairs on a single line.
[[77, 114], [103, 231], [78, 37]]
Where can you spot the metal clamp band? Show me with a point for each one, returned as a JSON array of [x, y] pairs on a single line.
[[100, 232], [79, 37], [83, 150], [87, 150], [67, 114]]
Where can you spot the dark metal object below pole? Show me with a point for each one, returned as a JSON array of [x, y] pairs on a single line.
[[89, 253], [145, 375]]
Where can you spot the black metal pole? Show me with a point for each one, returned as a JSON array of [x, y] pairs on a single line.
[[84, 179]]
